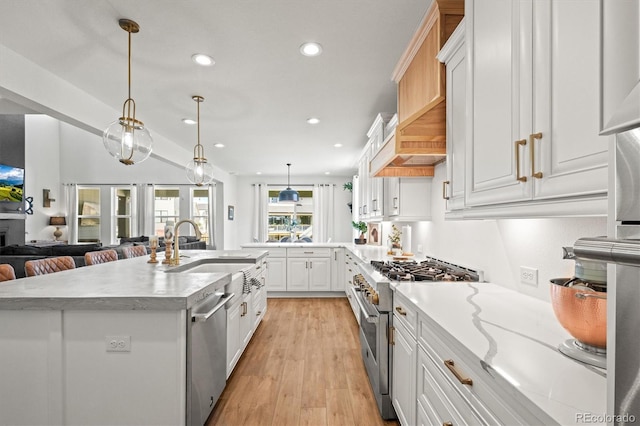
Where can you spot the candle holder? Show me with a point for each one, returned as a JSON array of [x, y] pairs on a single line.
[[167, 252], [153, 255]]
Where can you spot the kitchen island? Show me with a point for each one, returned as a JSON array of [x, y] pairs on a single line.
[[58, 332]]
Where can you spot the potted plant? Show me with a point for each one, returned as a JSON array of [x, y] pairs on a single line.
[[394, 239], [362, 227]]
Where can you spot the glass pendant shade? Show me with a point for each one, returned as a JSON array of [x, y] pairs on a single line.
[[288, 195], [126, 139], [127, 143], [199, 171]]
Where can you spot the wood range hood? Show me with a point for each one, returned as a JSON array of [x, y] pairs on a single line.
[[419, 140]]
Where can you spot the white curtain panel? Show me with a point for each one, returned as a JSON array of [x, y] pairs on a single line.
[[260, 219], [146, 209], [323, 212], [71, 201], [212, 218]]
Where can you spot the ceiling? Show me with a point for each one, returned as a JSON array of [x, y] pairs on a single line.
[[261, 90]]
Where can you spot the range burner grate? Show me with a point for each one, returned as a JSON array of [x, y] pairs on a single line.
[[427, 270]]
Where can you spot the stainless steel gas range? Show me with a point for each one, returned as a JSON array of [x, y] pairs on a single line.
[[373, 293]]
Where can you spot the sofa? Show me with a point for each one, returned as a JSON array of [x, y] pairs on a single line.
[[17, 255]]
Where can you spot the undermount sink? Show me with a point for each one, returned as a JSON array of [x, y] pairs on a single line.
[[209, 266]]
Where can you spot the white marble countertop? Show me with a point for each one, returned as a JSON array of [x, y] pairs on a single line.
[[124, 284], [518, 336]]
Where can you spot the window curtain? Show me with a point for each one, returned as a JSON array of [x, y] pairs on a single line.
[[212, 218], [323, 213], [146, 209], [260, 218], [71, 202]]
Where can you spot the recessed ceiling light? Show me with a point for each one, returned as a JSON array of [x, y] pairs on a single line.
[[189, 121], [311, 49], [202, 59], [258, 173], [313, 120], [338, 145], [327, 173], [219, 145]]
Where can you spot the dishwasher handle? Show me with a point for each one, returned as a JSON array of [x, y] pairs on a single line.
[[205, 316]]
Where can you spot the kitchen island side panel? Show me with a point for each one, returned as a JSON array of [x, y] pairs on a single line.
[[144, 386]]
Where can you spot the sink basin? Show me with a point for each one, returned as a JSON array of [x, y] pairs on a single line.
[[209, 266], [235, 255]]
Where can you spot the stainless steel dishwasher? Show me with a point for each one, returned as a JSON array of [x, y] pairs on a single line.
[[206, 355]]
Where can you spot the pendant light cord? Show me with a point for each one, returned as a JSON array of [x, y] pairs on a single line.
[[288, 175]]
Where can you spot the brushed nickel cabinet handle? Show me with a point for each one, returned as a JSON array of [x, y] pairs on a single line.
[[532, 138], [444, 189], [395, 202], [519, 143], [452, 367], [401, 311]]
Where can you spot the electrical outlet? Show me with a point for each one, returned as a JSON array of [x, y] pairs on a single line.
[[419, 248], [118, 343], [529, 276]]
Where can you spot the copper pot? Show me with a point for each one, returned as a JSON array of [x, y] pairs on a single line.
[[581, 311]]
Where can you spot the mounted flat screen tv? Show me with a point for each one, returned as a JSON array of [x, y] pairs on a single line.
[[11, 183]]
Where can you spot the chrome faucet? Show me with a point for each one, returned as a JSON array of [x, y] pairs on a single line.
[[176, 255]]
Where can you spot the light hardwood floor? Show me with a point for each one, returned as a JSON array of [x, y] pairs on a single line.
[[302, 367]]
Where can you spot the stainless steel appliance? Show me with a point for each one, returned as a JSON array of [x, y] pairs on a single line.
[[372, 291], [623, 282], [206, 355]]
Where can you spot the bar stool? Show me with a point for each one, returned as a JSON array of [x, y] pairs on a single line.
[[48, 265], [7, 272], [134, 251], [100, 256]]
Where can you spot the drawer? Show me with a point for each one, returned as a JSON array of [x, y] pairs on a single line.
[[309, 252], [492, 397], [404, 311], [277, 252]]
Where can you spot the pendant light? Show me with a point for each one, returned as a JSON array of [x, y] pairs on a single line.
[[288, 195], [126, 139], [198, 170]]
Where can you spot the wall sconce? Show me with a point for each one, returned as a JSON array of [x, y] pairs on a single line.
[[46, 201]]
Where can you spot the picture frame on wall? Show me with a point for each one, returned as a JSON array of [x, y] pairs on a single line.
[[230, 212], [375, 234]]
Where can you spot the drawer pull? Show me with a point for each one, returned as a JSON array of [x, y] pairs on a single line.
[[401, 311], [452, 367], [447, 424]]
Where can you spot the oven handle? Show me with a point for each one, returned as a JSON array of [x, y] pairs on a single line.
[[370, 318]]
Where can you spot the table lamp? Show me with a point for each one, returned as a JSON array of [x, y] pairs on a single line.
[[57, 221]]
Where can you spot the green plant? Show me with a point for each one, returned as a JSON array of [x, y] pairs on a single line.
[[360, 226], [394, 237], [349, 186]]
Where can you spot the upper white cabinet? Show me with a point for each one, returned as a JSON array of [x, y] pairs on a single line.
[[371, 189], [620, 78], [409, 199], [453, 55], [533, 103]]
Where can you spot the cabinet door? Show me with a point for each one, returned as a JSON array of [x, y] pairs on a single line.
[[364, 190], [319, 274], [570, 158], [453, 187], [276, 274], [414, 199], [403, 388], [500, 47], [234, 343], [246, 319], [337, 270], [297, 274], [393, 196]]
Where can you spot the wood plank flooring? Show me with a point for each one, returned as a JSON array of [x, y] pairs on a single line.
[[302, 367]]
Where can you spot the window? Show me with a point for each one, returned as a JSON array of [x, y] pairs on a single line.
[[167, 208], [200, 211], [287, 219], [88, 214], [122, 202]]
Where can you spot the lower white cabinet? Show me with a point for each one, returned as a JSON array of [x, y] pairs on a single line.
[[337, 269], [234, 343], [276, 276], [403, 386], [309, 269]]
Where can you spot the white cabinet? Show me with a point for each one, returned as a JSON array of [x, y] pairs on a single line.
[[533, 103], [364, 190], [350, 269], [276, 270], [453, 55], [620, 76], [309, 269], [337, 269], [234, 341], [403, 385], [376, 187], [409, 199]]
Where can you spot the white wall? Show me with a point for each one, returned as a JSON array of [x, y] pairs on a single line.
[[42, 171], [244, 206], [500, 247]]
